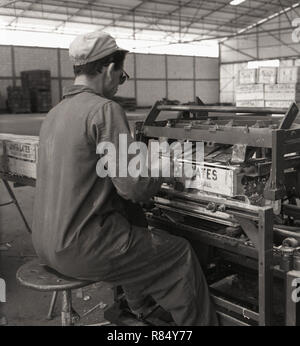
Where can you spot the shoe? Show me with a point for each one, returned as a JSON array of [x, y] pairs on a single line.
[[143, 307]]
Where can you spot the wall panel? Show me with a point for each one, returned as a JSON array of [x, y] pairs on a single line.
[[207, 68], [27, 58], [127, 89], [4, 83], [150, 66], [208, 91], [148, 92], [148, 73], [181, 91], [129, 64], [6, 61], [65, 63], [180, 67]]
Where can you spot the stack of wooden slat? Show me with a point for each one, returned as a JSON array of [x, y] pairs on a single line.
[[18, 100], [38, 82], [268, 87], [287, 89]]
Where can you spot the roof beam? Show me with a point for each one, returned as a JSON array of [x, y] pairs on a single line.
[[132, 10], [121, 26], [20, 15], [282, 42], [239, 51], [264, 21], [178, 8], [74, 14], [4, 3], [220, 26], [106, 10]]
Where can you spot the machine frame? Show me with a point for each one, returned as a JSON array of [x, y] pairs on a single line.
[[256, 221]]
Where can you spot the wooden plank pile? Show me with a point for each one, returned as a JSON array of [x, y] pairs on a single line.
[[18, 100], [38, 82]]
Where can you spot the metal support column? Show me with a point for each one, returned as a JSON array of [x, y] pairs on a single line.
[[15, 201], [265, 265], [292, 305]]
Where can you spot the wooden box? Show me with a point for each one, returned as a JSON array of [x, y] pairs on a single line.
[[290, 74], [267, 75], [248, 76], [249, 92], [250, 103], [278, 103], [284, 92], [19, 154], [216, 178]]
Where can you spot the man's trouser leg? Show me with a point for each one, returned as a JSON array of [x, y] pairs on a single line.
[[165, 267]]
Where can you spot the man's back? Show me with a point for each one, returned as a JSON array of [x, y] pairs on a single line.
[[69, 194]]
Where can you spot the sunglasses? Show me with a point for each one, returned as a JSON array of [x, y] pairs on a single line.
[[124, 76]]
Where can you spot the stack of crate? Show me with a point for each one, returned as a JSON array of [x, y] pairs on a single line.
[[287, 89], [38, 82], [18, 100], [268, 87]]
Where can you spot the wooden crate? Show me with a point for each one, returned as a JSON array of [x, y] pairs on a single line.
[[249, 92], [290, 74], [279, 104], [40, 100], [19, 154], [248, 76], [216, 178], [267, 75], [283, 92], [18, 100], [36, 79], [250, 103]]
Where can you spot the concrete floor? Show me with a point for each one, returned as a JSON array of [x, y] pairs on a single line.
[[24, 306]]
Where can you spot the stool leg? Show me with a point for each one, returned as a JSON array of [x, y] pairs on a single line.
[[52, 305], [66, 312], [116, 294]]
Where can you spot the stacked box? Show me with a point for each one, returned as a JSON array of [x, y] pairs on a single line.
[[19, 154], [278, 104], [38, 82], [267, 75], [250, 103], [248, 76], [289, 74], [18, 100], [249, 92], [282, 92], [40, 100], [36, 79], [276, 87]]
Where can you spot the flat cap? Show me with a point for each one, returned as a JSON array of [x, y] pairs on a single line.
[[91, 47]]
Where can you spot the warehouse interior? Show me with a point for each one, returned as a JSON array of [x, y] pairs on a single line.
[[225, 73]]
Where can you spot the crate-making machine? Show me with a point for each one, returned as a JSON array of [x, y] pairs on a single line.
[[242, 216]]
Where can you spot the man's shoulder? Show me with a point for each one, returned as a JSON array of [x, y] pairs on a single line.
[[104, 107]]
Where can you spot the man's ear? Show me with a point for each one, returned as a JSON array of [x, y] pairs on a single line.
[[110, 69]]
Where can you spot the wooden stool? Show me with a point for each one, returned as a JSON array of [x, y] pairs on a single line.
[[39, 277]]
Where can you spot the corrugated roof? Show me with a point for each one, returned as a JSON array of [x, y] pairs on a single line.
[[180, 21]]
